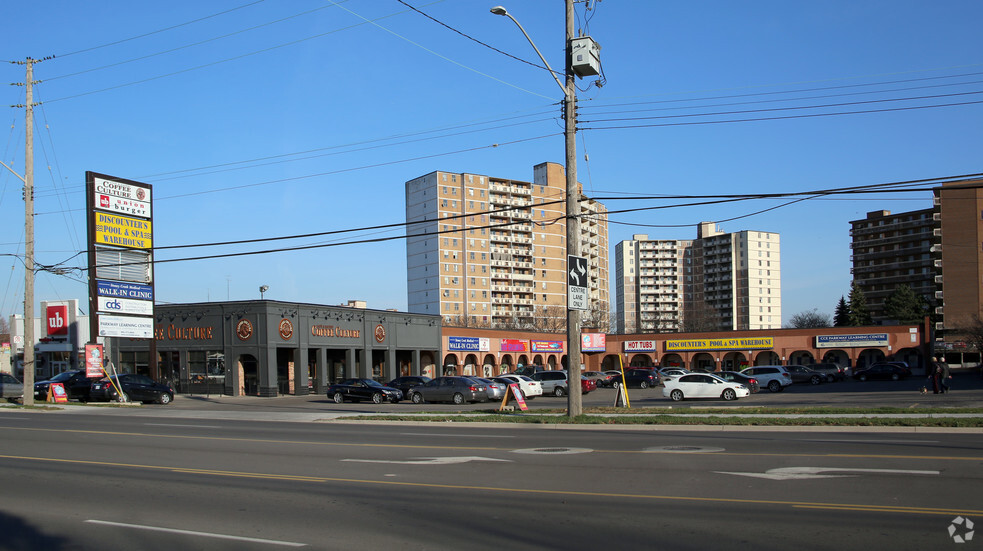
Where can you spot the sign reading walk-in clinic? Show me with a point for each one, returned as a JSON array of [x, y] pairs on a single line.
[[577, 297]]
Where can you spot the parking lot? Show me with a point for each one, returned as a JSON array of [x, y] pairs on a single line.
[[967, 391]]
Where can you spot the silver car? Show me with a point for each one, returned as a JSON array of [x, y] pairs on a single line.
[[10, 387], [495, 390], [450, 389]]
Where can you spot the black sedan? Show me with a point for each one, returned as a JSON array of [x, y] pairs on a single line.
[[407, 382], [637, 378], [356, 390], [734, 377], [75, 382], [881, 371], [135, 388]]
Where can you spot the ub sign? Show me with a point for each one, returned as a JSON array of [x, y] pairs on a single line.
[[57, 320]]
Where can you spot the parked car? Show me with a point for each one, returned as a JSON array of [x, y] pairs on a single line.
[[734, 377], [404, 384], [357, 390], [135, 387], [600, 378], [530, 388], [638, 378], [667, 373], [802, 374], [529, 370], [902, 365], [10, 387], [495, 390], [833, 372], [76, 384], [553, 382], [703, 385], [774, 377], [450, 389], [881, 371], [587, 385]]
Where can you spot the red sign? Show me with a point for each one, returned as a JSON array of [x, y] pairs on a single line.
[[93, 360], [57, 320], [515, 393], [513, 345], [56, 393]]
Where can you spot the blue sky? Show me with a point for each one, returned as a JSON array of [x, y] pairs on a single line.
[[261, 119]]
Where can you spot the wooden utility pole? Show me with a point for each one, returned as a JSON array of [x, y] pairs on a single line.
[[574, 395], [29, 238]]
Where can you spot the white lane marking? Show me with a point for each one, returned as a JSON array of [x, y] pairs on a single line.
[[553, 451], [185, 426], [428, 460], [193, 533], [458, 435], [874, 441], [801, 473]]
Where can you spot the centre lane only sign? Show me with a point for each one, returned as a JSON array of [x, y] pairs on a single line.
[[577, 298]]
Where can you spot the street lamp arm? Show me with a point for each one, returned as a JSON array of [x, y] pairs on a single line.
[[499, 10]]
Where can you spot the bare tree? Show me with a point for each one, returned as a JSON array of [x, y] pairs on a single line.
[[550, 319], [972, 332], [700, 317], [810, 319]]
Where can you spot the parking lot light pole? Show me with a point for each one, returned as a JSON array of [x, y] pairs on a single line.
[[574, 395]]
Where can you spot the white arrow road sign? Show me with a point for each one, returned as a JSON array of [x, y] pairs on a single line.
[[429, 460], [801, 473]]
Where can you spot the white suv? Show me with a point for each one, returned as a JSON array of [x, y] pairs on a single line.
[[775, 377], [553, 382]]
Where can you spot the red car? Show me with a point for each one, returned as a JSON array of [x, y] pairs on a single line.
[[587, 385]]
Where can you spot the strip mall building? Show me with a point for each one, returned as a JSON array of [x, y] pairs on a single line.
[[490, 352]]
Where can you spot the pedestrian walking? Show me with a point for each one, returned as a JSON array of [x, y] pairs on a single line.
[[935, 375], [944, 375]]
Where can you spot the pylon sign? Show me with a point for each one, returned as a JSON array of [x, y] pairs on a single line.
[[120, 219]]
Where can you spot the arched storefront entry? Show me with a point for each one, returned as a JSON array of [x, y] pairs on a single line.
[[837, 357], [703, 362], [869, 357], [248, 375], [733, 361], [801, 357], [768, 357]]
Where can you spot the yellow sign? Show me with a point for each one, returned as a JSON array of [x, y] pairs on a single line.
[[755, 343], [123, 231]]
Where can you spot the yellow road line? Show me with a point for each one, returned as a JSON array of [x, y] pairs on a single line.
[[571, 493]]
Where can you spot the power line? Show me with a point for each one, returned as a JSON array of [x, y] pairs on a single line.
[[786, 117], [473, 39], [172, 27]]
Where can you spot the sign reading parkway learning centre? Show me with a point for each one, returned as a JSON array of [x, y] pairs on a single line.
[[758, 343]]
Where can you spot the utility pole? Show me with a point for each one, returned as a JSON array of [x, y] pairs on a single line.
[[575, 405], [29, 238]]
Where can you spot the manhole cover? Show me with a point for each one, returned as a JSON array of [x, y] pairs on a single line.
[[553, 451], [683, 449]]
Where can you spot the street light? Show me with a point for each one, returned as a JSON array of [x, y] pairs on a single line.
[[574, 396], [263, 289]]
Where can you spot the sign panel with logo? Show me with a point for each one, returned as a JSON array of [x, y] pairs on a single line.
[[124, 290], [115, 305], [546, 346], [758, 343], [851, 341], [57, 320], [640, 346], [93, 360], [468, 344], [593, 342], [126, 326], [121, 197], [513, 345], [123, 231]]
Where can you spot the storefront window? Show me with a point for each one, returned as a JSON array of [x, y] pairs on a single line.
[[134, 362], [206, 372]]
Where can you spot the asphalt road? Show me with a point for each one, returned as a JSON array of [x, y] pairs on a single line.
[[129, 480]]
